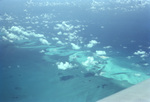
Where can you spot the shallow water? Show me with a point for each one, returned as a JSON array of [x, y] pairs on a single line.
[[72, 51]]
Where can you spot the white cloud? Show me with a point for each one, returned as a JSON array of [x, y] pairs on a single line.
[[64, 66], [16, 29], [37, 35], [74, 46], [4, 38], [55, 38], [44, 41], [90, 61], [19, 34], [64, 26], [21, 30], [92, 43], [59, 33], [42, 51], [100, 53], [13, 36], [59, 42], [107, 47], [129, 57], [33, 34], [139, 52], [4, 31]]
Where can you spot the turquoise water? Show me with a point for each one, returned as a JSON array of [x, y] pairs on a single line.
[[72, 51]]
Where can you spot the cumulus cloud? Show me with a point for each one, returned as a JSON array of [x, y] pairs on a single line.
[[44, 41], [4, 38], [13, 36], [59, 33], [64, 26], [18, 29], [55, 38], [100, 53], [64, 66], [90, 61], [127, 5], [92, 43], [74, 46], [141, 53], [19, 34], [59, 42], [9, 36], [21, 30], [107, 47]]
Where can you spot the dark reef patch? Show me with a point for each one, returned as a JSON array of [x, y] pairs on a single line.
[[104, 85], [89, 74], [67, 77]]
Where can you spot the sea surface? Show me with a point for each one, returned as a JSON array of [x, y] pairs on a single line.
[[72, 51]]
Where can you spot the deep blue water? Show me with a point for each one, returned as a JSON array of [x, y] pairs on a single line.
[[46, 54]]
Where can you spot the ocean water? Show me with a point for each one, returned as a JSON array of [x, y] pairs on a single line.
[[72, 51]]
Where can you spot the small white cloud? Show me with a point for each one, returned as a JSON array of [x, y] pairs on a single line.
[[107, 47], [74, 46], [44, 41], [139, 52], [64, 26], [129, 57], [4, 38], [100, 53], [146, 64], [92, 43], [55, 38], [144, 55], [59, 33], [21, 30], [64, 66], [13, 36], [16, 29], [42, 51], [59, 42], [37, 35], [90, 61], [9, 18]]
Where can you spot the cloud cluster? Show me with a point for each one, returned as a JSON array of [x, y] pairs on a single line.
[[100, 53], [44, 41], [123, 5], [64, 66], [141, 53], [11, 36], [18, 33], [64, 26], [74, 46], [6, 17], [107, 47], [92, 43], [89, 62], [49, 4], [67, 33]]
